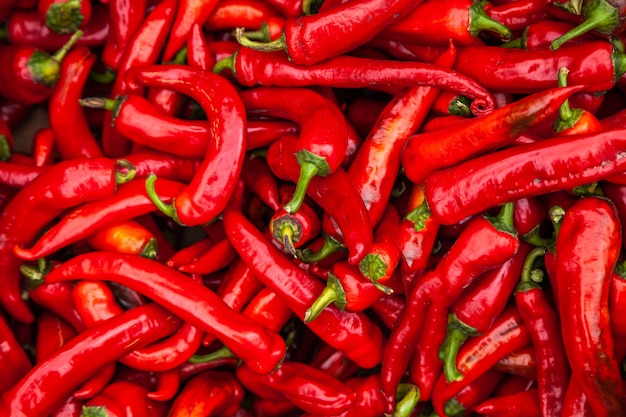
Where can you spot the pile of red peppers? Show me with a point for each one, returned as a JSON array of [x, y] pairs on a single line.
[[282, 208]]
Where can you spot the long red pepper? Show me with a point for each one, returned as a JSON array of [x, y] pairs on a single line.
[[52, 333], [130, 201], [558, 164], [521, 404], [252, 68], [62, 186], [50, 382], [597, 65], [197, 304], [479, 354], [522, 362], [124, 397], [125, 17], [425, 153], [71, 129], [584, 272], [210, 393], [473, 394], [544, 326], [459, 21], [14, 360], [315, 38], [353, 333], [483, 244], [518, 15], [213, 183]]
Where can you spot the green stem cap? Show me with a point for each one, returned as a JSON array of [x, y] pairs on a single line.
[[333, 293], [457, 333], [65, 18], [310, 166], [287, 230], [479, 21], [600, 16], [150, 250], [419, 215], [45, 68], [167, 209], [568, 117], [277, 44], [503, 221], [124, 172]]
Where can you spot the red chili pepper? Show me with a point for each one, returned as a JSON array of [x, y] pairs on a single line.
[[144, 49], [52, 333], [332, 193], [518, 15], [596, 65], [30, 74], [467, 259], [67, 119], [334, 362], [306, 387], [17, 175], [6, 141], [258, 177], [41, 390], [188, 13], [43, 148], [544, 326], [479, 354], [210, 393], [479, 306], [124, 398], [522, 362], [130, 201], [458, 21], [268, 309], [125, 237], [199, 54], [65, 16], [542, 32], [388, 309], [219, 256], [214, 182], [352, 333], [190, 300], [24, 27], [15, 363], [96, 383], [251, 68], [168, 385], [572, 121], [522, 404], [604, 17], [230, 14], [62, 186], [425, 153], [584, 300], [125, 18], [473, 394], [616, 310], [72, 407], [462, 190], [576, 403], [294, 230]]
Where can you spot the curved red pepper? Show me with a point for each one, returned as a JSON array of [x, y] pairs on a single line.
[[15, 363], [252, 68], [52, 333], [268, 308], [219, 256], [125, 18], [46, 386], [425, 153], [352, 333], [522, 404], [518, 15], [65, 16], [124, 398], [96, 383], [473, 394], [257, 176], [126, 237], [189, 299], [210, 393], [214, 182], [584, 274]]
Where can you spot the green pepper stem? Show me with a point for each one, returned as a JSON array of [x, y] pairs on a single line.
[[261, 35], [106, 77], [59, 55], [529, 277], [167, 209], [225, 63], [534, 238], [419, 215], [180, 57], [220, 353], [457, 333], [454, 408], [408, 396], [307, 172], [515, 43], [479, 21], [65, 18], [36, 274], [275, 45], [5, 148], [571, 6], [373, 267], [600, 15], [333, 293], [330, 246], [150, 250], [460, 106], [99, 103], [124, 172], [503, 221], [568, 117]]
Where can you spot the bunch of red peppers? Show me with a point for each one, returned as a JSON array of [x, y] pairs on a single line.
[[281, 208]]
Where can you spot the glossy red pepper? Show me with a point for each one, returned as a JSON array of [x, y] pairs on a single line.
[[479, 354], [462, 190], [522, 362], [41, 390], [258, 177], [479, 306], [62, 186], [230, 14], [252, 68], [352, 333], [67, 120], [72, 407], [587, 336], [214, 181], [210, 393], [130, 201], [576, 403], [65, 16], [596, 65], [388, 309], [473, 394], [522, 404], [604, 17], [190, 300], [294, 230], [459, 21], [334, 362], [125, 237], [126, 18], [96, 383], [268, 309], [124, 398], [43, 147], [332, 193], [52, 333], [518, 15], [425, 153], [544, 326], [219, 256], [15, 363], [30, 74]]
